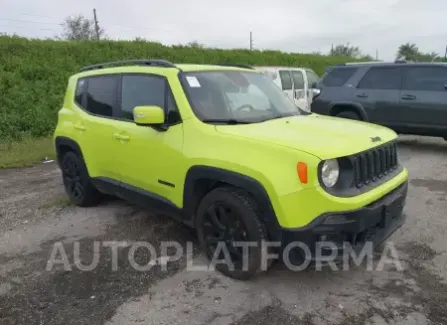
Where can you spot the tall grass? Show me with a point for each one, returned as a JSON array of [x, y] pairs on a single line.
[[33, 73]]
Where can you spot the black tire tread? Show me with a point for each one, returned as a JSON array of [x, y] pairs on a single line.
[[91, 195], [251, 205]]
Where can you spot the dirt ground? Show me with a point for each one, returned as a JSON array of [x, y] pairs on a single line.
[[36, 218]]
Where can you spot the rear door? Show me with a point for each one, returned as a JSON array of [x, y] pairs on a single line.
[[424, 96], [299, 88], [96, 125], [378, 91]]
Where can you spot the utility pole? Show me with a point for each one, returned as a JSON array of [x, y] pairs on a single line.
[[96, 24], [377, 55], [445, 55], [251, 41]]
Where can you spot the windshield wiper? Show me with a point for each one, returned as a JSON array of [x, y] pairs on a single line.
[[226, 121]]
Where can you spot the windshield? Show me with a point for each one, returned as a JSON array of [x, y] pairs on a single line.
[[236, 96]]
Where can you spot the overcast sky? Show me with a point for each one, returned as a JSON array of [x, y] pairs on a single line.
[[288, 25]]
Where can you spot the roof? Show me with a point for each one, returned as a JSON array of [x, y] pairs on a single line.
[[382, 63]]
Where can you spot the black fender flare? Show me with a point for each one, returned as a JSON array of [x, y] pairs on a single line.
[[357, 107], [64, 142], [249, 184]]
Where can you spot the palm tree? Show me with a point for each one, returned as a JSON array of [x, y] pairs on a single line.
[[407, 51], [432, 56]]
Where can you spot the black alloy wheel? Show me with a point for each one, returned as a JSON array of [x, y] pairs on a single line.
[[77, 182], [222, 224], [72, 179], [227, 218]]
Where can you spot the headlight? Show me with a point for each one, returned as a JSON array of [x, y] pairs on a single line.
[[330, 172]]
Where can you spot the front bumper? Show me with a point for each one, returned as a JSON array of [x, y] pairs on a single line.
[[334, 236]]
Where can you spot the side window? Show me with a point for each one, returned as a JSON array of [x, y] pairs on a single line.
[[382, 78], [140, 90], [311, 78], [286, 80], [298, 79], [80, 92], [337, 77], [425, 78], [173, 114], [102, 95]]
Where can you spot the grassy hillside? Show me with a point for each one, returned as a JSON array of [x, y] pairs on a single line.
[[33, 73]]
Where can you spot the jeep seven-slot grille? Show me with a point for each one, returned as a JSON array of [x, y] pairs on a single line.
[[374, 164]]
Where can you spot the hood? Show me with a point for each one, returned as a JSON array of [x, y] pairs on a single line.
[[322, 136]]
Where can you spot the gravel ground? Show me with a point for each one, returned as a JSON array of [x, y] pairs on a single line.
[[36, 221]]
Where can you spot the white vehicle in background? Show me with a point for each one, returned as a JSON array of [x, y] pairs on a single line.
[[296, 83]]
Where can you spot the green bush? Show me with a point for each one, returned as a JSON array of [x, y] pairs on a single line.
[[34, 73]]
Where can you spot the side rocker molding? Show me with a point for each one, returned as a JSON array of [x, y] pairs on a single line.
[[358, 108], [211, 176]]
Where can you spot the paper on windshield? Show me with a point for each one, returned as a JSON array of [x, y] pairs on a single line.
[[193, 82]]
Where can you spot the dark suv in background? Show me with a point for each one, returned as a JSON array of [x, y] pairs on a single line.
[[410, 98]]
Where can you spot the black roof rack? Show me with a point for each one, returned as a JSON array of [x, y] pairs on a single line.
[[370, 62], [153, 63], [245, 66]]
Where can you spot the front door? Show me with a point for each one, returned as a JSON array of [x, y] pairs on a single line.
[[151, 157], [312, 79], [300, 89]]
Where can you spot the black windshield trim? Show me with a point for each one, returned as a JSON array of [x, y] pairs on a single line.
[[229, 121]]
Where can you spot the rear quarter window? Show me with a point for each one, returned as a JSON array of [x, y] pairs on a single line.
[[80, 92], [337, 77]]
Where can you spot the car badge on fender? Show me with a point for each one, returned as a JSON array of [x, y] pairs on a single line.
[[376, 139]]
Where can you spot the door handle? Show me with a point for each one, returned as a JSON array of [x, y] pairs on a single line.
[[79, 127], [362, 95], [121, 137], [408, 97]]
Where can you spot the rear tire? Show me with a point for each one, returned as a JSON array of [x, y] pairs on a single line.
[[227, 215], [349, 115], [77, 182]]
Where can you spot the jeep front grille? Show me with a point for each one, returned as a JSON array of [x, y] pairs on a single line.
[[374, 164]]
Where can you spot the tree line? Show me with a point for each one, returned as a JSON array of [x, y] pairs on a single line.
[[80, 27]]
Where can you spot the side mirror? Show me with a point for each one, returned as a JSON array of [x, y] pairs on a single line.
[[313, 85], [315, 92], [148, 115], [445, 85]]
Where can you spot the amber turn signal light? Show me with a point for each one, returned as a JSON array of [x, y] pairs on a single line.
[[301, 168]]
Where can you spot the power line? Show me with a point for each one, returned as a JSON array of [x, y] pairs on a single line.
[[208, 43], [107, 27], [28, 21], [46, 29], [40, 16]]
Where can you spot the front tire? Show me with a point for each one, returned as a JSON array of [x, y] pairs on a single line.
[[226, 216], [77, 182]]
